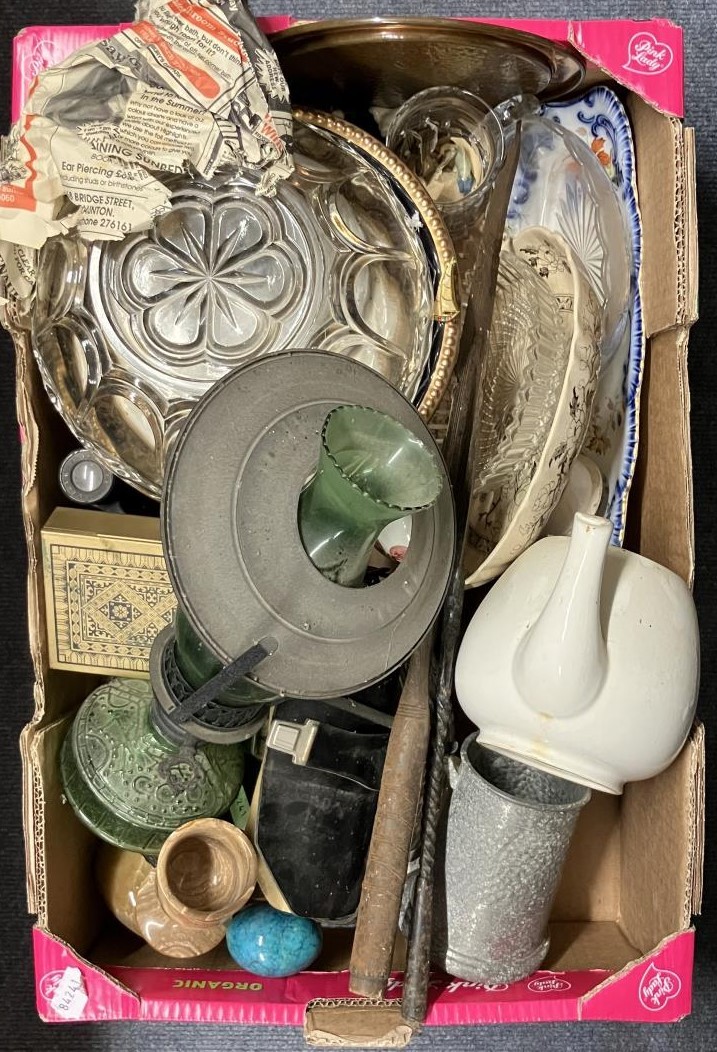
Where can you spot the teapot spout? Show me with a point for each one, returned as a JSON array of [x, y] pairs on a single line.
[[561, 663]]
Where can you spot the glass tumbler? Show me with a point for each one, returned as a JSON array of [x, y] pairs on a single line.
[[454, 142]]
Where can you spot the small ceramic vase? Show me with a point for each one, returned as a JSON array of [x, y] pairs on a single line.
[[372, 470], [501, 851], [583, 660], [206, 872]]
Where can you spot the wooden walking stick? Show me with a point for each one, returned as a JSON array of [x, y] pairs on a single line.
[[396, 813]]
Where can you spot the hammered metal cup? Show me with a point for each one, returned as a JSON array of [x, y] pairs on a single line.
[[504, 837]]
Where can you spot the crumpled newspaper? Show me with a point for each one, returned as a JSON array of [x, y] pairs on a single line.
[[192, 85]]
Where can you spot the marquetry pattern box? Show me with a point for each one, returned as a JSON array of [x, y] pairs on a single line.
[[107, 592]]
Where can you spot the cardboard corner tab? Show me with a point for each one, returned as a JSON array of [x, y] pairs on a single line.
[[356, 1024]]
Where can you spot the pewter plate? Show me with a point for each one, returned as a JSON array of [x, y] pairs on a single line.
[[381, 62], [130, 334], [231, 537]]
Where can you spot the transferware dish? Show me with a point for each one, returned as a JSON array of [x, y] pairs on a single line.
[[584, 492], [350, 63], [350, 256], [600, 119], [539, 380]]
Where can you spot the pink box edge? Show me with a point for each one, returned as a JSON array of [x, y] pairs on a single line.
[[644, 56], [655, 988]]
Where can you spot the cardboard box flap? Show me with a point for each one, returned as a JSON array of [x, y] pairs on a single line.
[[660, 523], [697, 818], [44, 438], [654, 988], [662, 843], [691, 228], [356, 1024], [637, 54], [66, 896], [29, 824], [29, 451], [666, 194], [70, 989]]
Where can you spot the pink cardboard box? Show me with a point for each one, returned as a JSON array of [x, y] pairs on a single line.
[[621, 940]]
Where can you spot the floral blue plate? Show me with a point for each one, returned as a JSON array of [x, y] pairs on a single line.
[[599, 119]]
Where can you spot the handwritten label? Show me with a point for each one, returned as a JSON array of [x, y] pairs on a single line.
[[65, 992]]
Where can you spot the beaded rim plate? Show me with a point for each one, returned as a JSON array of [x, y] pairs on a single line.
[[446, 308]]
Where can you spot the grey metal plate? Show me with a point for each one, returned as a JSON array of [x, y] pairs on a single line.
[[231, 535]]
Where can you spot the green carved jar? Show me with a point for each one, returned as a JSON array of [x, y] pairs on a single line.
[[129, 782]]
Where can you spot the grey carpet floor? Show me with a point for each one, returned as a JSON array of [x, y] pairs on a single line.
[[19, 1027]]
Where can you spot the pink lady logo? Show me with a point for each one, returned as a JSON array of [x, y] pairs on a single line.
[[548, 984], [490, 988], [44, 54], [49, 984], [647, 55], [657, 987]]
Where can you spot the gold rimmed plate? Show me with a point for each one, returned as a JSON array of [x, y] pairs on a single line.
[[383, 61]]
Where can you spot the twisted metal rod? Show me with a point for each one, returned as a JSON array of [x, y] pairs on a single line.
[[482, 254]]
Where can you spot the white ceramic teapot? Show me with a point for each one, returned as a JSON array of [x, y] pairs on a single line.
[[583, 661]]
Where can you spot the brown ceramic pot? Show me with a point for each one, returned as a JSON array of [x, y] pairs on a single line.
[[206, 872]]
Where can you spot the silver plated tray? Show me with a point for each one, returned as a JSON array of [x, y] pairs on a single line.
[[353, 64], [350, 256]]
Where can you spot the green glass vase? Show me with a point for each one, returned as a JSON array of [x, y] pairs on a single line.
[[198, 664], [130, 783], [371, 471]]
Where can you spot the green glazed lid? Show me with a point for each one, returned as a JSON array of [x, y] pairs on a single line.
[[129, 784]]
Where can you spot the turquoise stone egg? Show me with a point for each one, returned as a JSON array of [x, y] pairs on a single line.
[[268, 942]]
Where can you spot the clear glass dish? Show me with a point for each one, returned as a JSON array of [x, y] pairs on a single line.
[[560, 185], [129, 334]]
